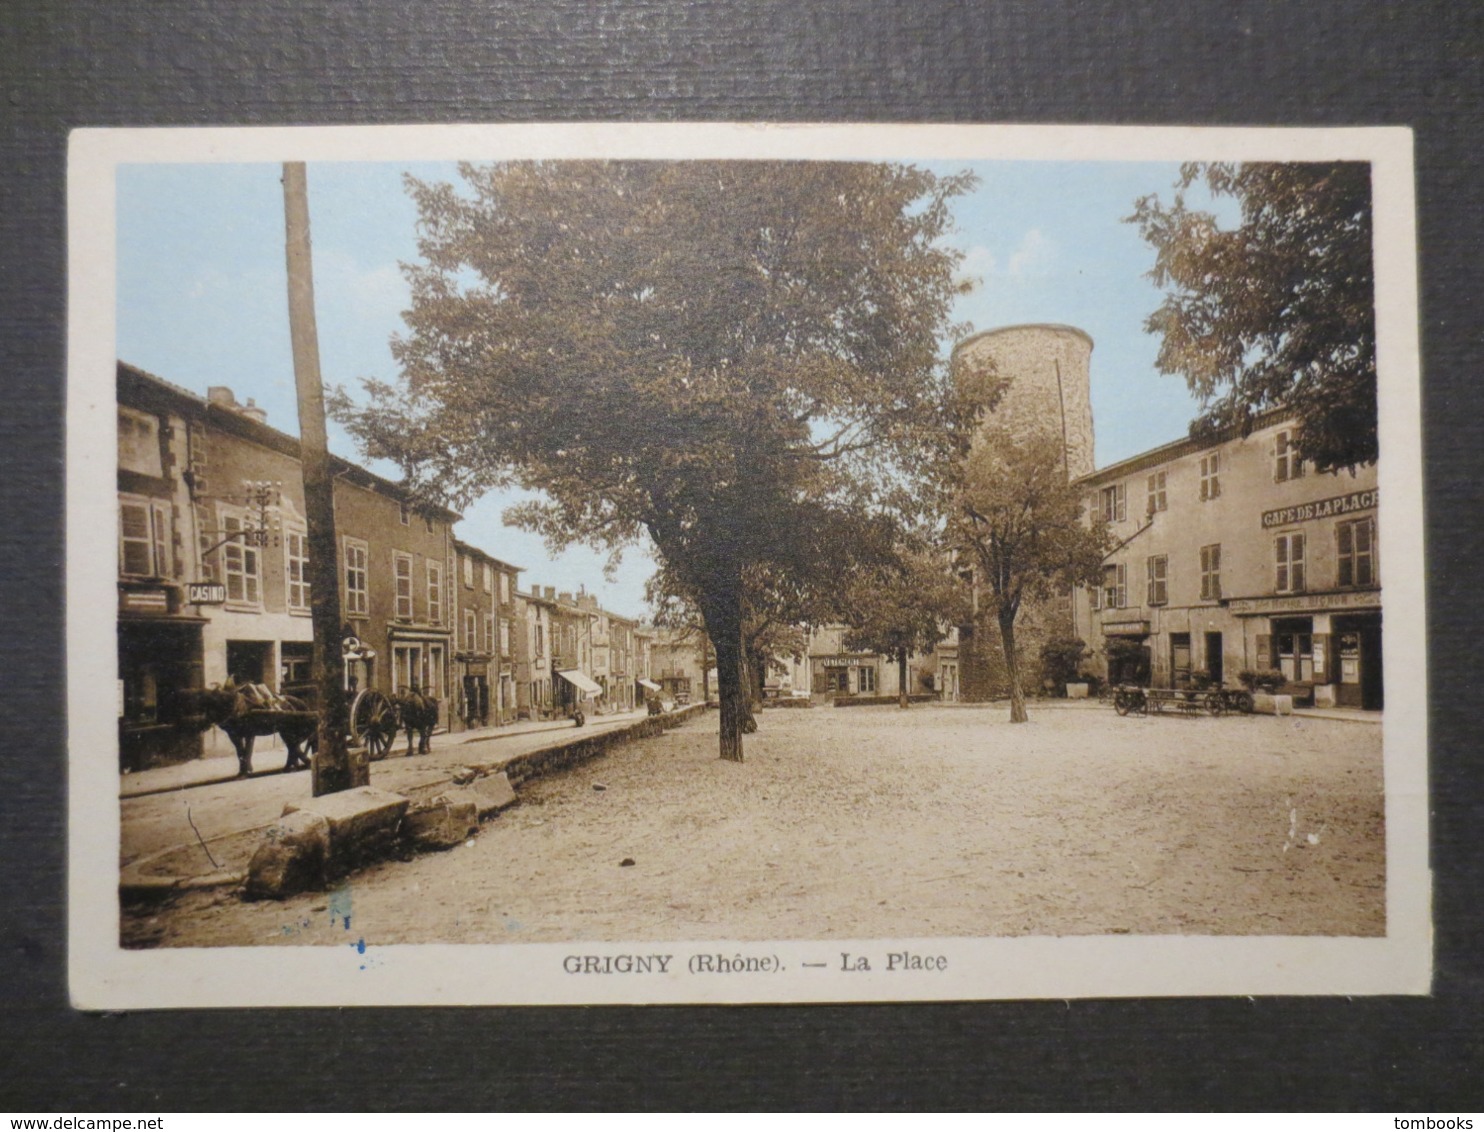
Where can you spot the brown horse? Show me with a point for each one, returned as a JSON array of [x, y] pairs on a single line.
[[418, 714], [227, 706]]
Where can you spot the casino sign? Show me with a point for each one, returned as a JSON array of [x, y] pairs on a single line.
[[1321, 509]]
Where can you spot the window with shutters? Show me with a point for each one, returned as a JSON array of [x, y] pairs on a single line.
[[435, 592], [504, 636], [1289, 553], [402, 576], [1157, 569], [1114, 503], [139, 442], [357, 578], [1210, 475], [1095, 596], [469, 624], [1357, 552], [144, 539], [241, 565], [468, 572], [504, 589], [1287, 464], [1211, 572], [1158, 499], [296, 571], [489, 578], [489, 632]]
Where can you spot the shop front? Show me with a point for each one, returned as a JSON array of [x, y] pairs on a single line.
[[1128, 653], [842, 676], [1327, 643], [158, 659]]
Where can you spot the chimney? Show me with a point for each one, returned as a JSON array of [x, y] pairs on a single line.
[[221, 395], [254, 412], [550, 592], [564, 598]]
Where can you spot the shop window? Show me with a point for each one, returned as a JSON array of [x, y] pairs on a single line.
[[402, 575], [1287, 463], [1211, 572], [435, 592], [357, 578], [296, 570], [1357, 552], [1158, 499], [240, 565], [1158, 573], [1114, 503], [1211, 475], [144, 539], [1296, 656], [1289, 551], [868, 679], [1115, 586]]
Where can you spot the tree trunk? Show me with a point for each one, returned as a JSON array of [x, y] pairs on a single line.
[[902, 701], [1012, 668], [723, 614]]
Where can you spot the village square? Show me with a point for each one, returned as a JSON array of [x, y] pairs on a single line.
[[963, 678]]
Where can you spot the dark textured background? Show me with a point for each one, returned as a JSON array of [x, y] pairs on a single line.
[[98, 63]]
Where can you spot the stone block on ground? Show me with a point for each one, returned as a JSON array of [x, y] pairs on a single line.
[[492, 794], [448, 821], [293, 857], [364, 823], [1265, 703], [1077, 691]]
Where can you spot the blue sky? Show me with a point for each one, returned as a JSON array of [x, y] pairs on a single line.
[[201, 299]]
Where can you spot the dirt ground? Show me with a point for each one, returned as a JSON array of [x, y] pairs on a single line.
[[873, 823]]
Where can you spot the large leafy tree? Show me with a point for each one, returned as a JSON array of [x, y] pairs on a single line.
[[1019, 522], [1276, 310], [705, 353]]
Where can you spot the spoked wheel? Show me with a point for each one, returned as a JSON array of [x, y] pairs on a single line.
[[1216, 704], [373, 722], [1123, 702], [1242, 702]]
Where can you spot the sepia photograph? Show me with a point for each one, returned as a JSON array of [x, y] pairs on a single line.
[[744, 564]]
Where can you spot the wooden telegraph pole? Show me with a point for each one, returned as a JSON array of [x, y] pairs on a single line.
[[335, 767]]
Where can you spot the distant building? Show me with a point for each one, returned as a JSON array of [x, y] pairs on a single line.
[[484, 592]]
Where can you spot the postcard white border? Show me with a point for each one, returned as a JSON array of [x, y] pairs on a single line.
[[104, 976]]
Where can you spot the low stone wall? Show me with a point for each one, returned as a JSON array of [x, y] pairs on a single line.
[[537, 764], [886, 701]]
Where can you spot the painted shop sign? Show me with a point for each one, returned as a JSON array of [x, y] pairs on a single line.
[[1362, 599], [206, 593], [848, 661], [1321, 508]]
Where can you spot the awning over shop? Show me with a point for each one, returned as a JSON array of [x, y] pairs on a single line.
[[650, 684], [581, 681]]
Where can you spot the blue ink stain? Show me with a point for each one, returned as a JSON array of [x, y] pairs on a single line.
[[361, 946], [339, 906]]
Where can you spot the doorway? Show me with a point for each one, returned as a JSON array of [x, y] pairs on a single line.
[[1214, 666]]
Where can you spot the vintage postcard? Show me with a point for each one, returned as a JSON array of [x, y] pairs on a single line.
[[743, 563]]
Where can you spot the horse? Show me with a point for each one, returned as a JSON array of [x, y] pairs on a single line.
[[417, 713], [242, 719]]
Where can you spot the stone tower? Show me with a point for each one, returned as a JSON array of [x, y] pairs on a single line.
[[1047, 367]]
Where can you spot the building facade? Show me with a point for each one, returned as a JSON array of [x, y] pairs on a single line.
[[1235, 555], [213, 565], [484, 591]]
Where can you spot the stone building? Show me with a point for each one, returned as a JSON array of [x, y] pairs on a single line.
[[1234, 554], [484, 680], [213, 564]]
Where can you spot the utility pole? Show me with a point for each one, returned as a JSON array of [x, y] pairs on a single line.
[[335, 767]]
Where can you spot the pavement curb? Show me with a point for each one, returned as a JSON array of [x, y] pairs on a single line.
[[581, 748]]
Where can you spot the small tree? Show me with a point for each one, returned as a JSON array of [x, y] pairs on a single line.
[[903, 607], [1061, 657], [1020, 523]]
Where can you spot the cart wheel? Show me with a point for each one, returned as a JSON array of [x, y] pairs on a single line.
[[1244, 702], [1122, 702], [373, 723], [1216, 703]]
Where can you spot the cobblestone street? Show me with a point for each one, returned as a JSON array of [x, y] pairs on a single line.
[[877, 823]]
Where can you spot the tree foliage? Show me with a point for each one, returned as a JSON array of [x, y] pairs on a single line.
[[718, 355], [1019, 522], [1279, 310]]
